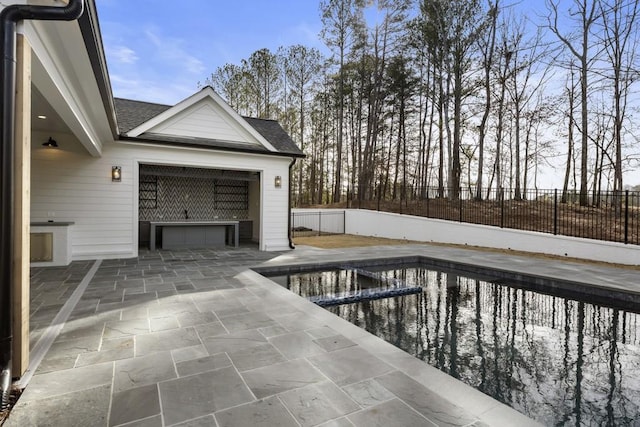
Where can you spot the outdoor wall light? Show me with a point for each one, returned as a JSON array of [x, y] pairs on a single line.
[[116, 173], [278, 181], [51, 143]]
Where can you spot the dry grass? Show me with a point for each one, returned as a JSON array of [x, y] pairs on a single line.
[[334, 241]]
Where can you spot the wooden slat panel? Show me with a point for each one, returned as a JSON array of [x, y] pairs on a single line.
[[22, 209]]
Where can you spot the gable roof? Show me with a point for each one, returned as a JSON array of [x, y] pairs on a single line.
[[137, 120], [275, 134], [132, 113]]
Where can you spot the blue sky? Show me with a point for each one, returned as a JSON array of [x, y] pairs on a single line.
[[158, 50]]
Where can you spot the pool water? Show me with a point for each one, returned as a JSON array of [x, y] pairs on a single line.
[[561, 361]]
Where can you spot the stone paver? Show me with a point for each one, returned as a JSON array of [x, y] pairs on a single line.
[[391, 413], [256, 357], [79, 408], [199, 395], [262, 413], [134, 404], [203, 364], [281, 377], [350, 365], [57, 383], [317, 403], [145, 370], [195, 338], [426, 402]]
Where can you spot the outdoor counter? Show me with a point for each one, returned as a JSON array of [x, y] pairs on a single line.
[[193, 234]]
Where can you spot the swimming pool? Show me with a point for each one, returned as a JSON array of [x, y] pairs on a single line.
[[560, 359]]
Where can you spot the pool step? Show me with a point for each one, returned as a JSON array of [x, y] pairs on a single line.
[[363, 295]]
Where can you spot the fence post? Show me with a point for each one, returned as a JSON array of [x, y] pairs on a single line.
[[626, 217], [428, 203], [501, 208], [555, 211], [460, 202], [319, 223], [344, 222]]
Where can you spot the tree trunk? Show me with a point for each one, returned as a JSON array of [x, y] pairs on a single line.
[[567, 171]]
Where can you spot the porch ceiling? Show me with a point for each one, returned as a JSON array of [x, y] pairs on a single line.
[[40, 107]]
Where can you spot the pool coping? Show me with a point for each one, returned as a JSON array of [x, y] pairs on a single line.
[[624, 299]]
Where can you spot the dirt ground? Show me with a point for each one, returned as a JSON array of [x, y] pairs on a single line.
[[348, 241], [332, 241]]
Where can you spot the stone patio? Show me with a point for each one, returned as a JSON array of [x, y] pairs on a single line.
[[196, 338]]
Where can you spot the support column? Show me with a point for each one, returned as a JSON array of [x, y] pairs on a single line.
[[22, 208]]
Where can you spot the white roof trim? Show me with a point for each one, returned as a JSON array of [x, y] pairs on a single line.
[[206, 92]]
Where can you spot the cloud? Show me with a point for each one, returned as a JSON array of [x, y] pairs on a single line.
[[172, 50], [309, 34], [151, 90], [122, 54], [146, 64]]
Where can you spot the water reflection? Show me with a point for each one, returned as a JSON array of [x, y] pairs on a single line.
[[560, 361]]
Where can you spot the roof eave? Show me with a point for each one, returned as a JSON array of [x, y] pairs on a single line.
[[126, 138], [90, 29]]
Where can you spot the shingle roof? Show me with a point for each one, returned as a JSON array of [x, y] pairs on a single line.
[[131, 114], [273, 132]]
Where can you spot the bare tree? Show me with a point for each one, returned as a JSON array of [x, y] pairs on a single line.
[[227, 82], [453, 28], [620, 37], [467, 23], [570, 91], [432, 37], [261, 79], [302, 67], [487, 48], [503, 71], [340, 19], [585, 14], [527, 77]]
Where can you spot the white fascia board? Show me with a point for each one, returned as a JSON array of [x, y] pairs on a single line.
[[60, 58], [266, 158], [206, 92]]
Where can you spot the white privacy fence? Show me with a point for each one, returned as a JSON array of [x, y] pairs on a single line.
[[363, 222], [317, 222]]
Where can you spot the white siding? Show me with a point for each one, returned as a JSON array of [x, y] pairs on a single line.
[[77, 187], [254, 207], [275, 197], [204, 120]]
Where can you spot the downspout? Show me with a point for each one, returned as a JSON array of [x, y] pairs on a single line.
[[9, 18], [290, 235]]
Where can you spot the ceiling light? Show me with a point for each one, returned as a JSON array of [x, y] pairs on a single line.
[[42, 117], [51, 143]]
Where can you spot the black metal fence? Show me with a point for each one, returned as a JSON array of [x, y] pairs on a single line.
[[609, 216], [317, 223]]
